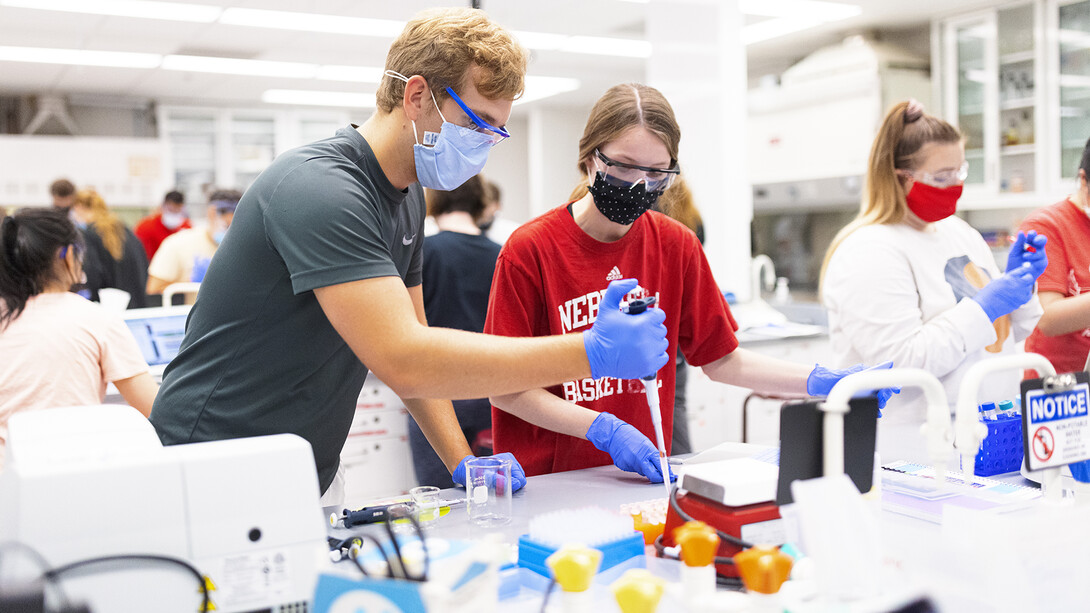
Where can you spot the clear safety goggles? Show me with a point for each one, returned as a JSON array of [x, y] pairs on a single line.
[[498, 134], [620, 174], [945, 178]]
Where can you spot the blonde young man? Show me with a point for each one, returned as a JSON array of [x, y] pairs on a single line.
[[319, 279]]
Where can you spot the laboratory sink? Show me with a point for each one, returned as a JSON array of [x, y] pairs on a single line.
[[803, 312], [761, 321]]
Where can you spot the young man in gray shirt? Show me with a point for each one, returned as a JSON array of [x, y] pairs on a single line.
[[319, 278]]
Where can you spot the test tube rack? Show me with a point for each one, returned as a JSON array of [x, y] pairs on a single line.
[[1002, 450]]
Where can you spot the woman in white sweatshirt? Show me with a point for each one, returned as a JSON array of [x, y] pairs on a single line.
[[910, 282]]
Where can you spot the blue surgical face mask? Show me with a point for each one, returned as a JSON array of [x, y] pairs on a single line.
[[448, 159], [217, 236], [79, 223]]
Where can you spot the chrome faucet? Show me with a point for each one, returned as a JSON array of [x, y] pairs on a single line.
[[761, 264]]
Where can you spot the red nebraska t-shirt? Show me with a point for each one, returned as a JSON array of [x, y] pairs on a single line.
[[1068, 230], [550, 278]]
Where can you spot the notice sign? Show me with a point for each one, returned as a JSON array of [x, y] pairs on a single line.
[[1056, 422]]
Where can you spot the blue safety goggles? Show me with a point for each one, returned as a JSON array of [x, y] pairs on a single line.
[[498, 134]]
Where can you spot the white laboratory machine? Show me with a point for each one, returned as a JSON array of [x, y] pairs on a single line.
[[89, 482]]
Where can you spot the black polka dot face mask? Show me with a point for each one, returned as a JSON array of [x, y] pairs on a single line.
[[622, 205]]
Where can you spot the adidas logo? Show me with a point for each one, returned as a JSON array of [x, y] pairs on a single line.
[[614, 274]]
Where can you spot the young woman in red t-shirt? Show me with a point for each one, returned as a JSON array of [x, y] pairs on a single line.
[[549, 277], [1063, 334]]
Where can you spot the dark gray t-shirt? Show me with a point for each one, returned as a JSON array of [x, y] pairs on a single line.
[[259, 355]]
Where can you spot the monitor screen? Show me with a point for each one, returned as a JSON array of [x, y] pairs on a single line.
[[158, 337]]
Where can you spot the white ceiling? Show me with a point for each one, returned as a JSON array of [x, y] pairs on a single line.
[[611, 18]]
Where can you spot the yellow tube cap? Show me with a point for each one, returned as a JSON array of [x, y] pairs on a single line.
[[574, 566], [763, 568], [638, 591], [698, 542]]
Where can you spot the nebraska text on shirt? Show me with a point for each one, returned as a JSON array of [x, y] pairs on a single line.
[[582, 311]]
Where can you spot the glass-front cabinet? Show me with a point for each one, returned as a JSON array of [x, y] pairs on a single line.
[[228, 148], [969, 92], [1073, 83], [992, 64], [1016, 81]]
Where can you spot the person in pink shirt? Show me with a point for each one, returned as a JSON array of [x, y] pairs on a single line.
[[58, 348]]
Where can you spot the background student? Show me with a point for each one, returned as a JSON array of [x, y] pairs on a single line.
[[58, 348], [911, 282], [1063, 333]]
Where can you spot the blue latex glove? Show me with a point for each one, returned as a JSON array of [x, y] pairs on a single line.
[[1005, 294], [821, 382], [1018, 254], [621, 345], [518, 476], [200, 268], [629, 448]]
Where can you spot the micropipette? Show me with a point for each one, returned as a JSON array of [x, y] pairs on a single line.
[[651, 390]]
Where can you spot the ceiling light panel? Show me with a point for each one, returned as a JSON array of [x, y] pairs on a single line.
[[312, 22], [596, 45], [80, 57], [302, 97], [170, 11], [544, 87], [353, 74], [225, 65], [814, 10]]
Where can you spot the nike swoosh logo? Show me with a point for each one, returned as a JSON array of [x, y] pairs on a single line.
[[407, 240]]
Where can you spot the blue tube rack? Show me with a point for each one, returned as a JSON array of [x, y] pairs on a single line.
[[532, 554], [1002, 451]]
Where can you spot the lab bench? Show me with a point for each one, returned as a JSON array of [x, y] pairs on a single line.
[[918, 557]]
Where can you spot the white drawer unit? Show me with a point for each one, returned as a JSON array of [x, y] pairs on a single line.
[[376, 456], [383, 423], [376, 468]]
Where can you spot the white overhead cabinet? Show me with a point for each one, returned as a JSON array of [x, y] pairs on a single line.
[[1016, 80], [809, 136]]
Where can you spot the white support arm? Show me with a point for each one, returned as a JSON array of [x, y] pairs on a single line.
[[971, 433], [938, 413]]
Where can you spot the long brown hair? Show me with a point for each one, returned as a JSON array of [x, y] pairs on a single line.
[[108, 226], [620, 108], [677, 202], [905, 130]]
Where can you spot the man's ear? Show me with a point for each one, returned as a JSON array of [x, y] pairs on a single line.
[[416, 94], [1082, 180]]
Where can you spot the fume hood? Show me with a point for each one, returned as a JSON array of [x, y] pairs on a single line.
[[809, 136]]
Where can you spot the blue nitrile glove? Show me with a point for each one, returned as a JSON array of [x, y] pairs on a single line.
[[200, 268], [1005, 294], [1018, 254], [518, 476], [622, 345], [629, 448], [821, 382]]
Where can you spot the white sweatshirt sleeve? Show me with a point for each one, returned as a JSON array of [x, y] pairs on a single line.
[[873, 296]]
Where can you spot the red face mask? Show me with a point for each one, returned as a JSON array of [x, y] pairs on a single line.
[[931, 203]]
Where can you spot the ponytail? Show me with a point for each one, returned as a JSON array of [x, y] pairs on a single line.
[[107, 225], [904, 131], [29, 243]]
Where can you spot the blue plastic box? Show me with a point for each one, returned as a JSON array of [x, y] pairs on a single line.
[[1002, 451], [532, 554]]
